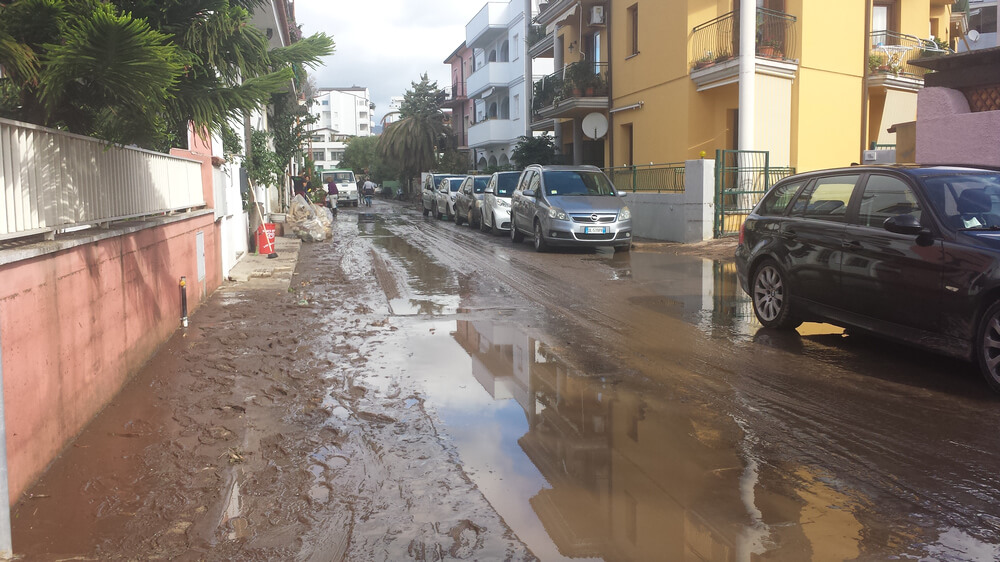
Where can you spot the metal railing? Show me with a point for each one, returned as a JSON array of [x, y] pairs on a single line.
[[742, 177], [52, 180], [658, 178], [891, 53], [718, 40], [575, 80], [536, 32]]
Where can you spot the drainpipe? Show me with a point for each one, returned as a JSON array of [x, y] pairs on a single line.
[[6, 548], [747, 73], [864, 80], [529, 79], [611, 98]]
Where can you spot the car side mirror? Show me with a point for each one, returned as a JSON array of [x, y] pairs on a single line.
[[528, 193], [903, 224], [622, 193], [487, 190]]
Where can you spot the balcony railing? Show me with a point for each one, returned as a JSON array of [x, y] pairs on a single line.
[[718, 40], [457, 91], [575, 80], [659, 178], [536, 33], [892, 52]]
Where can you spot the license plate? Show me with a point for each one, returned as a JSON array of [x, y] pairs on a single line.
[[595, 230]]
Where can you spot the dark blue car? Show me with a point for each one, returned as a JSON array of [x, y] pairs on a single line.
[[909, 253]]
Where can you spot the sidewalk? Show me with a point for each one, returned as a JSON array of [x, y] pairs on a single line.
[[257, 271]]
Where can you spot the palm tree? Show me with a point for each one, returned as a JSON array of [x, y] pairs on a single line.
[[414, 141], [137, 71]]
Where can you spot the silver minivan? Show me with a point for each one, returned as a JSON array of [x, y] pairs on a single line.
[[569, 206]]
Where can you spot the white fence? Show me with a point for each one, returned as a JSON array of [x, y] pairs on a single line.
[[51, 180]]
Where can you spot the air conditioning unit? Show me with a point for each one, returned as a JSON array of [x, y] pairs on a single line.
[[870, 156], [597, 15]]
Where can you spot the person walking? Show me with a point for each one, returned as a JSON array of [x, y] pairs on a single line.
[[332, 191], [368, 189]]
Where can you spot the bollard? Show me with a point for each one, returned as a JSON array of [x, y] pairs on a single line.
[[184, 302]]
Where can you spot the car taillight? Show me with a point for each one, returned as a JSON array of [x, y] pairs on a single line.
[[743, 229]]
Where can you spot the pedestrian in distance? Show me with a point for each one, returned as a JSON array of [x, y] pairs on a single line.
[[368, 189], [332, 191]]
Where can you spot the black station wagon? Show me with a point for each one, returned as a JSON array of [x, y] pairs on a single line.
[[909, 253]]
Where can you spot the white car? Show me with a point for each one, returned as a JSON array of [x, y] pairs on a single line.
[[347, 186], [496, 202], [444, 205]]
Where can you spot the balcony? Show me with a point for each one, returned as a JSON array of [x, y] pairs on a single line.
[[494, 131], [456, 96], [715, 46], [493, 75], [488, 25], [889, 59], [540, 43], [579, 88]]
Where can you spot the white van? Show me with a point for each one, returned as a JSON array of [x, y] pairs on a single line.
[[347, 186]]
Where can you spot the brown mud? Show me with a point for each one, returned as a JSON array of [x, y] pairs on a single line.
[[261, 433]]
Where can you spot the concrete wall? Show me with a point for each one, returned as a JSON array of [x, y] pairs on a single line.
[[79, 315], [948, 132], [678, 217]]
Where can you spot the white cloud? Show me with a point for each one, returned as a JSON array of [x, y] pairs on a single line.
[[385, 45]]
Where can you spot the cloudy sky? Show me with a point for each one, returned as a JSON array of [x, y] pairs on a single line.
[[386, 44]]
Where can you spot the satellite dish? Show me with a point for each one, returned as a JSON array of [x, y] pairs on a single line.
[[973, 35], [595, 125]]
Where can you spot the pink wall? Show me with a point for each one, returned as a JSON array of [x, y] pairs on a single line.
[[949, 133], [77, 323]]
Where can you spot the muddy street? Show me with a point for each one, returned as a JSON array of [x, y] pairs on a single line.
[[425, 391]]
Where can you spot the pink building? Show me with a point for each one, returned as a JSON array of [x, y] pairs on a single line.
[[461, 62]]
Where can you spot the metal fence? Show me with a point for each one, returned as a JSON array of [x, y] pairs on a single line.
[[658, 178], [575, 80], [742, 177], [52, 180], [718, 40]]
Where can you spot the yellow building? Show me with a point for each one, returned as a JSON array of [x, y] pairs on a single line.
[[820, 81]]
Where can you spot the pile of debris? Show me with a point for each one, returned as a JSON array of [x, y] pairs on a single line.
[[309, 221]]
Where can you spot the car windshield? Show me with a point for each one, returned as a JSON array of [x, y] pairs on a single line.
[[343, 176], [479, 185], [506, 183], [577, 182], [455, 183], [966, 201]]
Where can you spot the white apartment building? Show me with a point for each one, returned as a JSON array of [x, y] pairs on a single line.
[[981, 26], [497, 36], [342, 113]]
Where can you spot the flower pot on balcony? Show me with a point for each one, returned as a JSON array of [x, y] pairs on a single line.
[[589, 91], [703, 64], [769, 52]]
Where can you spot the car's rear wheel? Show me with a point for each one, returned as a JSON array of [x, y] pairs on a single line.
[[437, 212], [770, 294], [458, 218], [493, 226], [515, 236], [540, 244], [426, 210], [482, 223], [988, 348]]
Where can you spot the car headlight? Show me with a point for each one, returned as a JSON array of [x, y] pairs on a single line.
[[503, 203], [624, 214], [558, 214]]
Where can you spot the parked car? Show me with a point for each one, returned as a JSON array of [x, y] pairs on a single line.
[[496, 202], [428, 191], [908, 253], [569, 206], [469, 200], [347, 186], [444, 206]]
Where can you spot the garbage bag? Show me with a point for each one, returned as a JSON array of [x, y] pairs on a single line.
[[304, 221], [312, 230]]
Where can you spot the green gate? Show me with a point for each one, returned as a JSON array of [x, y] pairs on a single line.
[[742, 177]]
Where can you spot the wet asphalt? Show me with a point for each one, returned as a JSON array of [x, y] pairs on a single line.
[[629, 407]]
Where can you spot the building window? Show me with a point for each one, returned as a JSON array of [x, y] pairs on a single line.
[[325, 102], [633, 29], [514, 51], [318, 155], [337, 155], [515, 111], [317, 138], [984, 19]]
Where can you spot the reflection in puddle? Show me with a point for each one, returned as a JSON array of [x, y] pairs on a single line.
[[424, 287], [232, 520], [580, 468]]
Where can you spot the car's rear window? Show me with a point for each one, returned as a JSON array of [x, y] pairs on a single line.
[[827, 199], [506, 183], [455, 183], [970, 200], [776, 202], [479, 184]]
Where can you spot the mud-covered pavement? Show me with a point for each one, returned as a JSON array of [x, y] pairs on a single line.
[[428, 392]]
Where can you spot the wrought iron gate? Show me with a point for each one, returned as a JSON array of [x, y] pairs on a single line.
[[742, 177]]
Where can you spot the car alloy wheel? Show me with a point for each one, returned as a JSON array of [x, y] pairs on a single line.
[[540, 245], [989, 346], [771, 297]]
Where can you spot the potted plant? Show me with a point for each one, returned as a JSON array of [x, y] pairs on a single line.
[[706, 60], [770, 49], [576, 78]]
